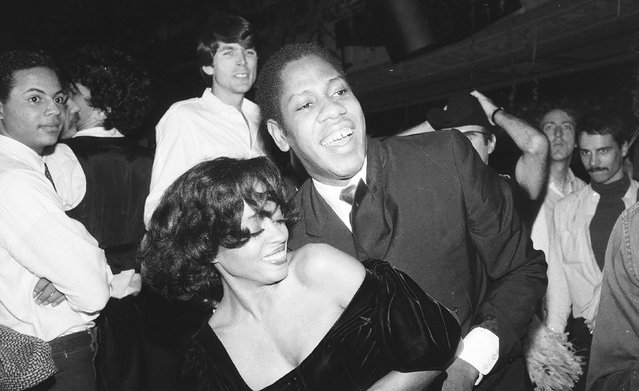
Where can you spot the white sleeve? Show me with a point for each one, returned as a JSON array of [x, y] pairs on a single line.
[[39, 235], [481, 350], [174, 155], [68, 176]]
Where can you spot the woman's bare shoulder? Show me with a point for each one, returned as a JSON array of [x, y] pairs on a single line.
[[320, 266]]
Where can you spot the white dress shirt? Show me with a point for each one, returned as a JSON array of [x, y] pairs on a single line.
[[199, 129], [543, 228], [37, 239], [480, 347], [543, 225]]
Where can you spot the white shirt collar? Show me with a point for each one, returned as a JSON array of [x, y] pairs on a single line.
[[98, 132], [215, 104], [331, 195], [21, 152]]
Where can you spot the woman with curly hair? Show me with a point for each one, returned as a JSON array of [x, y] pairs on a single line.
[[313, 319]]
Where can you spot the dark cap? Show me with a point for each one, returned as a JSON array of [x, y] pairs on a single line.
[[462, 109]]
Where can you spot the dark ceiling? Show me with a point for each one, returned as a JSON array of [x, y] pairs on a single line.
[[543, 38], [554, 38]]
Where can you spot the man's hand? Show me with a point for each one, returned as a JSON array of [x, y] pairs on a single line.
[[461, 376], [486, 104], [45, 293]]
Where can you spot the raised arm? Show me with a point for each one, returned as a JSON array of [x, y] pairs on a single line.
[[531, 170]]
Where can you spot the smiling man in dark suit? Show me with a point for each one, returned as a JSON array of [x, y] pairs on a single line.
[[426, 203]]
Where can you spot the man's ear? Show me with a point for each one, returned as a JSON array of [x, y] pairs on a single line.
[[208, 69], [1, 110], [277, 133], [492, 143], [624, 149]]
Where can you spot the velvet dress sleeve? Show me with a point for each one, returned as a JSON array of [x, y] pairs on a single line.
[[416, 332]]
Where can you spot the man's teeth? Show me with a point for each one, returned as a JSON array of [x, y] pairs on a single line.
[[336, 136], [242, 75], [276, 257]]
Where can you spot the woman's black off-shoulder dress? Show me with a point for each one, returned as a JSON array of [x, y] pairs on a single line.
[[390, 324]]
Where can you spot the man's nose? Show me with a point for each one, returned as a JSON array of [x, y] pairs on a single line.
[[558, 132], [53, 108], [241, 58], [331, 109]]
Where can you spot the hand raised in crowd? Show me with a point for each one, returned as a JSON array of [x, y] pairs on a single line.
[[486, 104]]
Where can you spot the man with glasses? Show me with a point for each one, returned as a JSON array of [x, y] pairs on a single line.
[[475, 116]]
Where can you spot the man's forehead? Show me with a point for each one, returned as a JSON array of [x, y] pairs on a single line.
[[299, 72], [595, 140], [39, 78], [231, 45], [557, 116]]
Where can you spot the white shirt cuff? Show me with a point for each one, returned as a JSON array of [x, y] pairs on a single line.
[[125, 283], [481, 350]]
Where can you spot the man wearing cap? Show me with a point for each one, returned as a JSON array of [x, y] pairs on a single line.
[[425, 203], [475, 116]]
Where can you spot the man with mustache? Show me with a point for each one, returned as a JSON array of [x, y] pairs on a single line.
[[583, 222], [220, 123], [425, 202]]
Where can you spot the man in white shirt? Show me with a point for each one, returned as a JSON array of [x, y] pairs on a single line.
[[559, 126], [583, 222], [38, 242], [219, 123]]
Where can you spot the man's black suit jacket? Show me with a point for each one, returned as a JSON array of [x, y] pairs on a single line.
[[434, 210]]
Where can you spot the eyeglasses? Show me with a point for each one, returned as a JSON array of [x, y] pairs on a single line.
[[469, 133]]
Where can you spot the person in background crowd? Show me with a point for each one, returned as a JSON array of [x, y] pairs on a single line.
[[614, 355], [475, 116], [559, 125], [110, 96], [583, 221], [551, 358], [54, 279], [220, 123], [426, 202]]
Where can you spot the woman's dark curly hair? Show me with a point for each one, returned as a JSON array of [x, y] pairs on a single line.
[[119, 85], [201, 212]]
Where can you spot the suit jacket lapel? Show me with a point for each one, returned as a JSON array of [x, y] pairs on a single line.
[[372, 214], [322, 222]]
